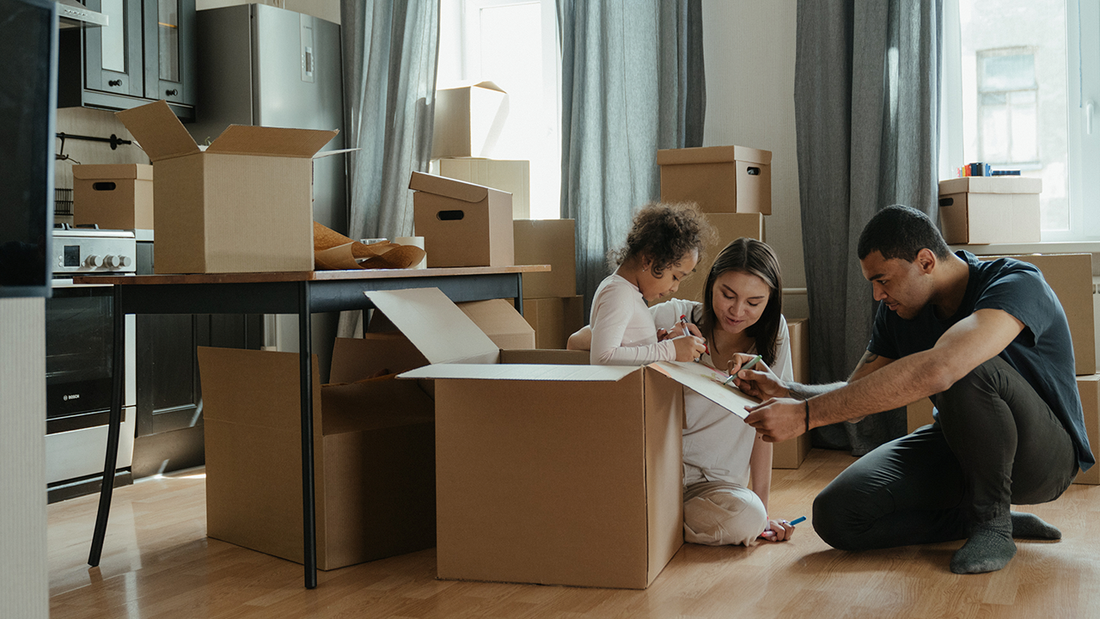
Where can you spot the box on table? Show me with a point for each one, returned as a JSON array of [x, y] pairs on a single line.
[[463, 224], [113, 196], [790, 453], [529, 486], [373, 453], [244, 204], [468, 119], [996, 209], [1089, 388], [730, 226], [547, 241], [554, 319], [721, 179], [513, 176]]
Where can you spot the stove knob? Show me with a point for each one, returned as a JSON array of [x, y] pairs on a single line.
[[93, 261], [125, 261], [115, 262]]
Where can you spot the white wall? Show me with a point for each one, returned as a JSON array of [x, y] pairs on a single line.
[[749, 51]]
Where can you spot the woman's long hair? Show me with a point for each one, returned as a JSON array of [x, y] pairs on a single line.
[[755, 258]]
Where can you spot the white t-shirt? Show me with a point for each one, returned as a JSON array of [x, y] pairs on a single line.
[[622, 327], [717, 444]]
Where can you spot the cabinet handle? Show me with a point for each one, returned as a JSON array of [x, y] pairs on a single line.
[[114, 82], [173, 92]]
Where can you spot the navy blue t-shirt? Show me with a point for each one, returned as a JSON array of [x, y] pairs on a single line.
[[1042, 353]]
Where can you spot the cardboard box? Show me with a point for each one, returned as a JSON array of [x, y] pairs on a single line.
[[547, 241], [463, 225], [721, 179], [980, 210], [498, 319], [554, 319], [373, 446], [730, 226], [918, 414], [1070, 276], [529, 487], [244, 204], [114, 196], [1089, 388], [513, 176], [790, 453], [468, 120]]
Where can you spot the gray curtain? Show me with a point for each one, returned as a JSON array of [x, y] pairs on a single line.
[[632, 83], [867, 118]]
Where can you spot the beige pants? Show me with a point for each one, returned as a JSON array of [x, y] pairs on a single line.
[[717, 513]]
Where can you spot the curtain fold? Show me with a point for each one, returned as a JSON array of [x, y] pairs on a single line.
[[867, 118], [632, 83]]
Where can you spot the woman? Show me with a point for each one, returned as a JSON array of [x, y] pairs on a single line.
[[741, 313]]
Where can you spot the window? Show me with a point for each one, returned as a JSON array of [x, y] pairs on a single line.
[[1007, 107]]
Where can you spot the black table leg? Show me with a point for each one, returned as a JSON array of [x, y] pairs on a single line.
[[309, 520], [519, 293], [114, 424]]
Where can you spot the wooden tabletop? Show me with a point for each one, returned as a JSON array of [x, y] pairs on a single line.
[[298, 276]]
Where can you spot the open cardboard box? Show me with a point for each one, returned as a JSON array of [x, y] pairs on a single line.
[[549, 474]]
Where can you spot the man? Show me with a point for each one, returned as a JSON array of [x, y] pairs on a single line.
[[988, 342]]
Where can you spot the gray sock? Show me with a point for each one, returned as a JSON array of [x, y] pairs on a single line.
[[988, 549], [1030, 526]]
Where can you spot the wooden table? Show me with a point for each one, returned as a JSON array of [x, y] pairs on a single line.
[[301, 293]]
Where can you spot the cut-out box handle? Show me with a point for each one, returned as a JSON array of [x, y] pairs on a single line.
[[450, 215], [103, 186]]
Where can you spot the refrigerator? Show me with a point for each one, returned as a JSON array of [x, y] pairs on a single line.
[[269, 67]]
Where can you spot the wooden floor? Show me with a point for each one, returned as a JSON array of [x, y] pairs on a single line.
[[158, 562]]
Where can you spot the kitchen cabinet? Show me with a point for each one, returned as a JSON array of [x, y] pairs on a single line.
[[145, 53]]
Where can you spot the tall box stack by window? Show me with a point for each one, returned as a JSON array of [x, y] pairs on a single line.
[[550, 301], [513, 176], [463, 224], [729, 226], [979, 210], [721, 179], [244, 204], [113, 196], [468, 119]]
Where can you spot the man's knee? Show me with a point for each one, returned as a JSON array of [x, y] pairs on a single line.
[[834, 521]]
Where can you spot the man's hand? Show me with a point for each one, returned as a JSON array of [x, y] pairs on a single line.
[[759, 382], [778, 419]]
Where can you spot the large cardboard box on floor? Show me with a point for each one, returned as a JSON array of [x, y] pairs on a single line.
[[547, 241], [468, 120], [554, 319], [730, 226], [995, 209], [463, 224], [244, 204], [513, 176], [113, 196], [790, 453], [1089, 388], [373, 446], [721, 179]]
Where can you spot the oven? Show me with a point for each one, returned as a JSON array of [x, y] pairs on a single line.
[[79, 353]]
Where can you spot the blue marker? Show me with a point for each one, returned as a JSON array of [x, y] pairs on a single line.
[[797, 520], [748, 365]]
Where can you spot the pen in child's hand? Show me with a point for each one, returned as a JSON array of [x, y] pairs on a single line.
[[684, 324]]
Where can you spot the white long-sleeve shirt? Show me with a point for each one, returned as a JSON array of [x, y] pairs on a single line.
[[623, 332]]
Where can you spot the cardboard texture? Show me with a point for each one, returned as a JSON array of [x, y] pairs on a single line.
[[512, 176], [498, 319], [463, 225], [721, 179], [242, 205], [468, 120], [554, 319], [1089, 388], [374, 354], [547, 241], [113, 196], [730, 226], [374, 451], [918, 414], [790, 453], [982, 210]]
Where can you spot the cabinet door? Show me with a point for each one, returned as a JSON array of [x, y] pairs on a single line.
[[113, 53], [170, 50]]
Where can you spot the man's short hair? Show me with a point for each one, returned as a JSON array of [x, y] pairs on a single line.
[[899, 231]]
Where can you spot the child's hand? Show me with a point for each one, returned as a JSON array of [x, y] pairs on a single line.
[[689, 347]]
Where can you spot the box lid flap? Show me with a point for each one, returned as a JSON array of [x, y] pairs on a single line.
[[510, 371], [991, 184], [486, 84], [707, 382], [270, 141], [452, 188], [113, 171], [158, 131], [435, 325], [713, 154]]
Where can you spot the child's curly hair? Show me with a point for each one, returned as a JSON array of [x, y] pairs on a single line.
[[664, 232]]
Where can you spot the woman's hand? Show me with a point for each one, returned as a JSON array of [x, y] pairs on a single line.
[[689, 347], [778, 531], [759, 381]]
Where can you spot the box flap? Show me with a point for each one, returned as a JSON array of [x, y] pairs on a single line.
[[707, 382], [435, 325], [508, 371], [713, 154], [486, 84], [270, 141], [113, 171], [991, 184], [499, 320], [160, 134], [452, 188]]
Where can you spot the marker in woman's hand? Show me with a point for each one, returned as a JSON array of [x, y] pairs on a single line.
[[768, 533], [748, 365]]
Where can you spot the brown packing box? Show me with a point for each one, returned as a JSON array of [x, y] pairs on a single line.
[[547, 241], [244, 204], [918, 414], [499, 320], [722, 179], [980, 210], [463, 225], [513, 176], [1089, 388], [373, 446], [113, 196], [730, 226], [529, 487], [468, 120], [790, 453], [554, 319]]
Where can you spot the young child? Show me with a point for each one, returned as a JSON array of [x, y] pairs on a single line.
[[662, 248]]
